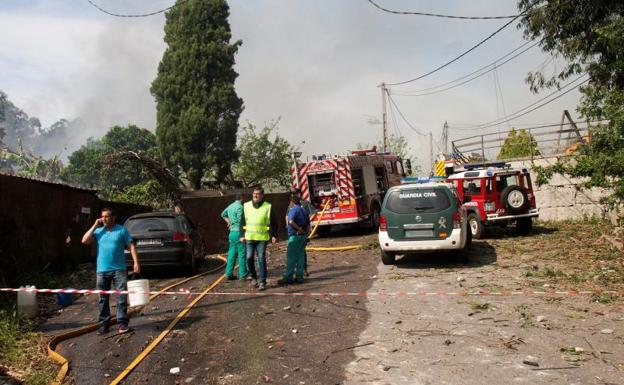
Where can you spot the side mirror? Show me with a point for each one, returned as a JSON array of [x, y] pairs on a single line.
[[467, 198], [408, 166]]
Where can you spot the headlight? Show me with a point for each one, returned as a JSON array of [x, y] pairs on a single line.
[[489, 206]]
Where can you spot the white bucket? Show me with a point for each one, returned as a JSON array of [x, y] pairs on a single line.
[[141, 297], [27, 302]]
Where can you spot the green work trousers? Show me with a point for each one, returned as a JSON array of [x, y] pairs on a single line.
[[295, 260], [237, 248]]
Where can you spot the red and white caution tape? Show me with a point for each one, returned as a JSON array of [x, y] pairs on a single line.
[[380, 294]]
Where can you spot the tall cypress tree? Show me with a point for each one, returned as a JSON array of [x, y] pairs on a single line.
[[197, 106]]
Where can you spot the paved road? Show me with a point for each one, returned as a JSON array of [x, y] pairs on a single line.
[[247, 339]]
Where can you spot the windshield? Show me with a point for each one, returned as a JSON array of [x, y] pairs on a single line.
[[422, 200], [155, 224]]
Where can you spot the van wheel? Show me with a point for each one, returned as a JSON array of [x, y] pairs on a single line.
[[388, 258], [468, 238], [524, 226], [375, 216], [476, 227]]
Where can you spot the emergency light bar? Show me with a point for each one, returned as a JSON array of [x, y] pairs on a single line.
[[422, 179]]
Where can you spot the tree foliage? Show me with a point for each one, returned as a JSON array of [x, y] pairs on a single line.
[[148, 193], [197, 105], [25, 163], [86, 165], [589, 34], [265, 157], [519, 144]]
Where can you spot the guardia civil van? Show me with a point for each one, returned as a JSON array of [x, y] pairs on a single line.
[[422, 216]]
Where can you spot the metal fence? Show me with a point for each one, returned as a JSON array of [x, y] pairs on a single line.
[[546, 140]]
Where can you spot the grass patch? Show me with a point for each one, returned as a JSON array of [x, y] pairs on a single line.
[[22, 347], [479, 305], [22, 350], [526, 315]]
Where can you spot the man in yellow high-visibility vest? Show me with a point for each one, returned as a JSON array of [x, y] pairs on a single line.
[[260, 227]]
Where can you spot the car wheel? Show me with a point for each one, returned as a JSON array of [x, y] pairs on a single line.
[[475, 225], [524, 226], [388, 258], [191, 266], [515, 199]]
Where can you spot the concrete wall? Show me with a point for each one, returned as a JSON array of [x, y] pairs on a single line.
[[561, 199], [206, 213]]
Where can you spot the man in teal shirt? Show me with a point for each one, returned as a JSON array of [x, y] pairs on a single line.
[[232, 216]]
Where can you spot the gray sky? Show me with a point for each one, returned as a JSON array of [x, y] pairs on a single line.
[[314, 63]]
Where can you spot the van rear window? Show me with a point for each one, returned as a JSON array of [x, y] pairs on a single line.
[[422, 200]]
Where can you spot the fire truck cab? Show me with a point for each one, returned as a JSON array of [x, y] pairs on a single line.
[[352, 186]]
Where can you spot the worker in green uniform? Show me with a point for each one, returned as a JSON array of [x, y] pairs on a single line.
[[232, 216], [298, 223]]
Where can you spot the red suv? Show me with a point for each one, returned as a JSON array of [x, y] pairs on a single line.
[[495, 194]]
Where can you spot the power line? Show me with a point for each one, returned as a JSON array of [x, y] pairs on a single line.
[[531, 127], [522, 111], [138, 14], [402, 116], [461, 55], [496, 65], [438, 15]]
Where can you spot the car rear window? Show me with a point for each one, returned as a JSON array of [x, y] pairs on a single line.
[[153, 224], [422, 200]]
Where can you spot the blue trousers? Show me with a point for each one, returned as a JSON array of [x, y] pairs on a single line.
[[256, 248], [118, 279]]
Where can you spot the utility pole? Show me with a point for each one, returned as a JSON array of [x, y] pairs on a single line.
[[384, 116], [431, 151], [445, 137]]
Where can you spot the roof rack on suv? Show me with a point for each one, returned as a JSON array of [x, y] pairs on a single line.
[[474, 166]]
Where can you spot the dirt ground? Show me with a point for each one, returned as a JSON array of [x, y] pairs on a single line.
[[423, 339]]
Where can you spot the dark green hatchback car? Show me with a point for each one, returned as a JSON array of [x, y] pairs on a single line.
[[422, 217]]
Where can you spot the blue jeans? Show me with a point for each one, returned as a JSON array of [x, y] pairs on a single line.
[[119, 280], [256, 247]]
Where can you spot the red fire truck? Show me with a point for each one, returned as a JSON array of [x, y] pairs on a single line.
[[352, 185]]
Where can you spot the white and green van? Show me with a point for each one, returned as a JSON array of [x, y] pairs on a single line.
[[422, 217]]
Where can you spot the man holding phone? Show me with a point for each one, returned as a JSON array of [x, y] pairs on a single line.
[[112, 239]]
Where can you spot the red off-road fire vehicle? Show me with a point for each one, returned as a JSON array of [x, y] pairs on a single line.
[[496, 194]]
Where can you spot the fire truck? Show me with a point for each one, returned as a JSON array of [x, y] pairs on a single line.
[[352, 186]]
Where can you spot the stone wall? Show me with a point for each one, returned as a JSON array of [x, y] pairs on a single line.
[[562, 199]]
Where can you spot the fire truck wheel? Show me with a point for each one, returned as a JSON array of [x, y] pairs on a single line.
[[323, 231], [524, 226], [476, 227], [515, 199], [388, 258]]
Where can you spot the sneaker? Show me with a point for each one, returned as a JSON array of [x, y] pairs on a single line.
[[284, 282], [123, 329], [103, 330], [254, 282], [261, 287], [230, 278], [244, 277], [249, 277]]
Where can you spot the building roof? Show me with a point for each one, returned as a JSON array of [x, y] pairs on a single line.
[[54, 184]]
